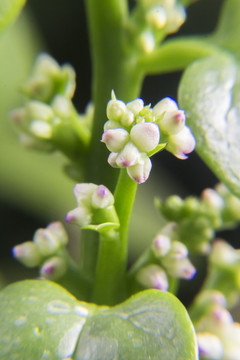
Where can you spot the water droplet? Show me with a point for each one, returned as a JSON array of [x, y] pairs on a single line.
[[20, 321], [58, 307], [68, 342], [81, 311]]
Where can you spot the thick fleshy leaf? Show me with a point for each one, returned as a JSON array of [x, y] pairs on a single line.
[[210, 94], [9, 10], [227, 33], [41, 320]]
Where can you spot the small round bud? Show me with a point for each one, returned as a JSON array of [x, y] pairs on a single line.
[[128, 156], [110, 124], [176, 18], [157, 16], [210, 346], [223, 253], [145, 136], [161, 245], [135, 106], [115, 139], [37, 110], [62, 106], [112, 159], [140, 172], [102, 197], [59, 231], [28, 254], [178, 251], [47, 243], [127, 118], [83, 193], [181, 143], [153, 277], [179, 268], [54, 268], [41, 129], [172, 122], [115, 109], [146, 41], [166, 104], [80, 216], [212, 198]]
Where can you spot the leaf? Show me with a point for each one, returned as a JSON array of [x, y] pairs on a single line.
[[9, 10], [102, 228], [41, 320], [210, 94], [227, 33]]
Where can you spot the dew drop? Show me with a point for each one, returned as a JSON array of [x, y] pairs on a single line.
[[58, 307]]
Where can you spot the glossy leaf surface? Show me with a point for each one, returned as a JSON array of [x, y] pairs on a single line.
[[41, 320], [9, 10], [210, 94]]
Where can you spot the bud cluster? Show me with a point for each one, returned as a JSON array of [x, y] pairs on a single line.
[[217, 333], [132, 134], [95, 206], [199, 218], [170, 258], [49, 120], [45, 251], [152, 21]]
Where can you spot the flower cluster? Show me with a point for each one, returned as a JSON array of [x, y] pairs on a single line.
[[132, 134], [49, 119], [152, 20], [217, 333], [199, 218], [170, 258], [95, 206], [45, 251]]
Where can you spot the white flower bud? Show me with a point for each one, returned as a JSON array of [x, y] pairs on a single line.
[[102, 197], [115, 109], [210, 346], [223, 253], [145, 136], [127, 118], [80, 216], [140, 172], [161, 245], [178, 250], [128, 156], [135, 106], [41, 129], [182, 268], [62, 106], [39, 111], [83, 193], [153, 277], [157, 16], [212, 198], [46, 64], [172, 122], [47, 243], [166, 104], [59, 231], [181, 143], [112, 159], [115, 139], [28, 254], [146, 41], [176, 17], [110, 124], [54, 268]]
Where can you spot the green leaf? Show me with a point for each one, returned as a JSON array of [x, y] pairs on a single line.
[[102, 228], [9, 10], [210, 94], [227, 33], [41, 320]]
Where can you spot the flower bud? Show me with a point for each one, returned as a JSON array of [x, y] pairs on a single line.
[[59, 231], [145, 136], [164, 105], [128, 156], [28, 254], [135, 106], [62, 106], [153, 277], [157, 16], [178, 250], [172, 122], [46, 242], [54, 268], [115, 109], [102, 197], [110, 124], [181, 143], [223, 253], [182, 268], [83, 193], [41, 129], [115, 139], [146, 41], [140, 172], [80, 216], [212, 198], [112, 159], [161, 245], [210, 346], [176, 18], [127, 118]]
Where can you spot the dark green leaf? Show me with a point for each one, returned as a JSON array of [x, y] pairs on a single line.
[[41, 320], [210, 94], [9, 10]]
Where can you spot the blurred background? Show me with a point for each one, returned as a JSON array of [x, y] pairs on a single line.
[[33, 189]]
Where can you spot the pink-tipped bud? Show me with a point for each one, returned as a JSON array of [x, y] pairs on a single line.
[[212, 198], [181, 143], [182, 269], [47, 243], [166, 104], [83, 193], [102, 197], [153, 277], [128, 156], [112, 160], [172, 122], [115, 109], [59, 231], [145, 136], [223, 253], [141, 171], [135, 106], [210, 346], [115, 139], [28, 254], [178, 250], [54, 268], [80, 216], [161, 245]]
